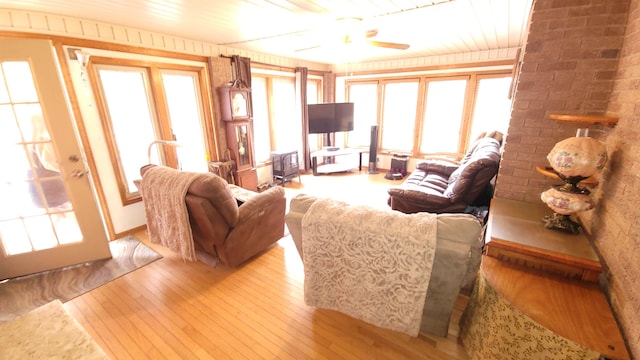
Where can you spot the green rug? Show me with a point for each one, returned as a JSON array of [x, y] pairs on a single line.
[[23, 294]]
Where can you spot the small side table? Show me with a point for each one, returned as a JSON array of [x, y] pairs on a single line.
[[285, 166]]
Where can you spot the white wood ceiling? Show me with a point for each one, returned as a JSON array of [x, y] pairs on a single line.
[[284, 27]]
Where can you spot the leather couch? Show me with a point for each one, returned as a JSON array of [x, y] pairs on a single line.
[[232, 223], [459, 244], [439, 186]]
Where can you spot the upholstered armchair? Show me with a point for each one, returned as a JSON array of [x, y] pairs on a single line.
[[230, 222]]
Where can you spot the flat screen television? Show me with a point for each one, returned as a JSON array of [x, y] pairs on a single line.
[[330, 117]]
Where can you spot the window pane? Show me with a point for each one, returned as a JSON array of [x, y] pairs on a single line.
[[125, 94], [399, 116], [4, 92], [262, 134], [19, 81], [183, 94], [492, 109], [443, 116], [9, 133], [365, 112]]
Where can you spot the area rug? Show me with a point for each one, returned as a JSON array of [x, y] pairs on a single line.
[[21, 295], [48, 332]]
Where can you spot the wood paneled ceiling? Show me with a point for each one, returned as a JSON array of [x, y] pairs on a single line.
[[311, 29]]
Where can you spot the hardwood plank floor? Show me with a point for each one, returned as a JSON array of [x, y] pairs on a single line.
[[173, 309]]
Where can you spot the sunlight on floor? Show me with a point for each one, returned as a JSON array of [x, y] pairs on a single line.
[[356, 187]]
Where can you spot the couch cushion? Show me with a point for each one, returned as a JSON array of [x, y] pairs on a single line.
[[437, 166], [480, 167], [424, 181]]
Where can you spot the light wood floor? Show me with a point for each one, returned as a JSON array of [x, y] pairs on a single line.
[[174, 309]]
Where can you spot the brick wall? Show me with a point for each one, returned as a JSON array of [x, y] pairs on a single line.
[[614, 221], [583, 57], [568, 65]]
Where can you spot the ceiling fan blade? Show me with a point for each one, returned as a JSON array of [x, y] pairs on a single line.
[[371, 33], [389, 45]]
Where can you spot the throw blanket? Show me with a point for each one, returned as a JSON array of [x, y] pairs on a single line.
[[368, 263], [163, 190]]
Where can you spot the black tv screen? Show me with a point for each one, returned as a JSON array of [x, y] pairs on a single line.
[[330, 117]]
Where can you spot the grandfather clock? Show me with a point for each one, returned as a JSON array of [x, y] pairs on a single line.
[[235, 108]]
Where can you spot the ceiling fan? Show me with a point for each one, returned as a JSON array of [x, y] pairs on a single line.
[[349, 31]]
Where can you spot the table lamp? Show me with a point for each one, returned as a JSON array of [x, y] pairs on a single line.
[[573, 159]]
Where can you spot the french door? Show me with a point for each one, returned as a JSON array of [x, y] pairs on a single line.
[[49, 217]]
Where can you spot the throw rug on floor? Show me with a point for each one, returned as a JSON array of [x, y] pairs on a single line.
[[48, 332], [23, 294]]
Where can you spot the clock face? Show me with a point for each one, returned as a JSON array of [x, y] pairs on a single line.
[[239, 105]]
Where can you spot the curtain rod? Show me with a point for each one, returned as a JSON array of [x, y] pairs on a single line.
[[281, 68]]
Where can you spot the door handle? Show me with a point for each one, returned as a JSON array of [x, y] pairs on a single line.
[[79, 173]]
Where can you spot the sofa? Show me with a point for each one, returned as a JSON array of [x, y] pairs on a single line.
[[458, 250], [229, 222], [439, 186]]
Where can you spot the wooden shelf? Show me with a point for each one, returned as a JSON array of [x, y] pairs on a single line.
[[550, 277], [607, 120], [546, 171], [516, 234]]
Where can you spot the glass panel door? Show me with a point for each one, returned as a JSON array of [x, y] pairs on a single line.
[[36, 212], [39, 187], [130, 115], [182, 93], [144, 127]]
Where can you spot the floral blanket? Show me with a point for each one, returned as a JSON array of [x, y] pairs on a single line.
[[368, 263]]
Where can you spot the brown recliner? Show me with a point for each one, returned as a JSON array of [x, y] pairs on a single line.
[[232, 223], [438, 186]]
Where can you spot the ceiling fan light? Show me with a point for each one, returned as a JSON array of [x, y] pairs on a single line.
[[355, 38]]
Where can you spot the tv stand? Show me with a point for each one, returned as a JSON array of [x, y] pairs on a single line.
[[333, 168]]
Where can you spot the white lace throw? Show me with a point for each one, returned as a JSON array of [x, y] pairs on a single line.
[[368, 263], [163, 190]]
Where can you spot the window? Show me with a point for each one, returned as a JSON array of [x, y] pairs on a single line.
[[431, 114], [399, 115], [276, 112], [285, 121], [133, 118], [442, 119], [363, 96], [492, 110], [262, 133]]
